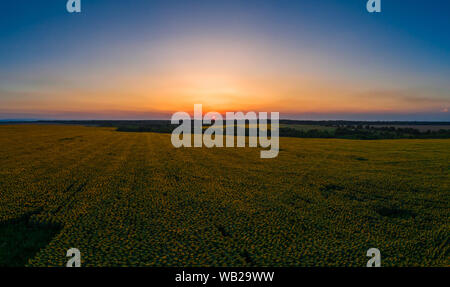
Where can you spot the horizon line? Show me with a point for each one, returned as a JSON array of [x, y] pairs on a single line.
[[18, 120]]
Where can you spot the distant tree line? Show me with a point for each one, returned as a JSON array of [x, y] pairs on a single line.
[[332, 129], [366, 133]]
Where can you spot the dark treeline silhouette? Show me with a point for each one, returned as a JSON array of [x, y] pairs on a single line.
[[334, 123], [331, 129], [366, 133]]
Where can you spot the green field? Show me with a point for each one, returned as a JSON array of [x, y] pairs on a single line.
[[131, 199]]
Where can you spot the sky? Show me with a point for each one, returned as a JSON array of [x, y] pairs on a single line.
[[307, 59]]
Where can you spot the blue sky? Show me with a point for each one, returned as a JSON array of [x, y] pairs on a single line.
[[146, 59]]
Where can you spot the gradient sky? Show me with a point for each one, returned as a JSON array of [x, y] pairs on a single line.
[[316, 59]]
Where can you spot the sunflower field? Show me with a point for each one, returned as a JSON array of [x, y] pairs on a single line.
[[132, 199]]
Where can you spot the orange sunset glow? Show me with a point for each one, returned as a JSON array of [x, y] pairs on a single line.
[[154, 70]]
